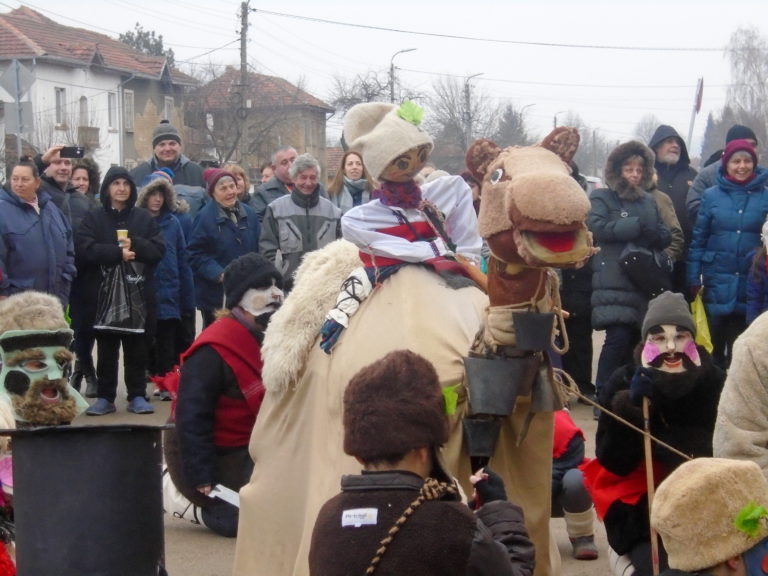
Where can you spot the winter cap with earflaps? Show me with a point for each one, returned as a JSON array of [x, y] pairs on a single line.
[[381, 132], [165, 131], [668, 308], [393, 406], [249, 271], [709, 510]]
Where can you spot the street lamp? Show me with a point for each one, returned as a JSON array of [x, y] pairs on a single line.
[[555, 120], [392, 73], [467, 111]]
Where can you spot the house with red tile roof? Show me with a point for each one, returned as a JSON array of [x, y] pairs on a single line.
[[245, 119], [87, 89]]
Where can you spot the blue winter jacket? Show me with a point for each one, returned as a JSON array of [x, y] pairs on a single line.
[[36, 250], [727, 230], [175, 288], [216, 240]]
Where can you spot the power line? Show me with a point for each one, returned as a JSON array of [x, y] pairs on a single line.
[[493, 40]]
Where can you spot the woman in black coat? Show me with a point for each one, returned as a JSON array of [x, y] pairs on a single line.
[[97, 246]]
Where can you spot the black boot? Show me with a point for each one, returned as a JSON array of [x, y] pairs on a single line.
[[91, 389], [77, 376]]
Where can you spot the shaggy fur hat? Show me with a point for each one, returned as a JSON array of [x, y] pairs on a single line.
[[165, 131], [695, 507], [393, 406], [616, 159], [668, 308], [248, 271], [31, 311], [380, 134]]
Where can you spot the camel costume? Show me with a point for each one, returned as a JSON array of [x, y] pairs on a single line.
[[297, 440]]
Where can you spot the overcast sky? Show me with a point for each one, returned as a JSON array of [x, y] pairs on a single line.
[[609, 62]]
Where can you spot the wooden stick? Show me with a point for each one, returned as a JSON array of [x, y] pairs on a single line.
[[649, 481]]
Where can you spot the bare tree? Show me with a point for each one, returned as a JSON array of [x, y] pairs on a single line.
[[457, 114], [748, 92], [369, 87], [646, 127]]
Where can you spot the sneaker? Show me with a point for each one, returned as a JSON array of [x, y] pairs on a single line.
[[165, 396], [584, 548], [139, 405], [101, 407]]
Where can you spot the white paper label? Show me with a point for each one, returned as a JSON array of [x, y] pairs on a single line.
[[360, 517]]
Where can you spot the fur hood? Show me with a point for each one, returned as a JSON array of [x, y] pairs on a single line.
[[617, 157], [165, 187]]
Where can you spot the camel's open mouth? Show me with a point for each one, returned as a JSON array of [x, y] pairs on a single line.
[[556, 248], [50, 394]]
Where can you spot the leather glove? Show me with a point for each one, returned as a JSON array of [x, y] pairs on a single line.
[[489, 489], [641, 385], [443, 264]]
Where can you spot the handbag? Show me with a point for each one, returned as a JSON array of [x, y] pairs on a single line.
[[703, 336], [649, 270], [121, 307]]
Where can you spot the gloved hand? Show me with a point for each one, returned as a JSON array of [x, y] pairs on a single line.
[[641, 385], [443, 264], [694, 290], [488, 487]]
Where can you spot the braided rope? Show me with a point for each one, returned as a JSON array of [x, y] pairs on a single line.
[[431, 490]]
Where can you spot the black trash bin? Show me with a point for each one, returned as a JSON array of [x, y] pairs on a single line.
[[88, 501]]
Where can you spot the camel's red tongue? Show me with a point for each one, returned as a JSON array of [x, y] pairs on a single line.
[[49, 392], [557, 241]]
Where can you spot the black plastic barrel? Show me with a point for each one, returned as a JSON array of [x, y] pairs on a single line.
[[88, 501]]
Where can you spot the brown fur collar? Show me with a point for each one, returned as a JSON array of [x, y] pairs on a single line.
[[617, 157], [158, 184]]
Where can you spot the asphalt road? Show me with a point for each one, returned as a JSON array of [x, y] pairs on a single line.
[[193, 550]]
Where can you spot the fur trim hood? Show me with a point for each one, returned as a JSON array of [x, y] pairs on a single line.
[[165, 187], [617, 157]]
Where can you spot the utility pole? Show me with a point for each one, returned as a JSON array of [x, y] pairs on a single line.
[[242, 113], [468, 111]]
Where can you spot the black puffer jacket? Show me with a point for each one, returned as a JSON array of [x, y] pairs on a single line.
[[96, 243], [621, 214]]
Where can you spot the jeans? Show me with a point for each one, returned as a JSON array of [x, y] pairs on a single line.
[[620, 342]]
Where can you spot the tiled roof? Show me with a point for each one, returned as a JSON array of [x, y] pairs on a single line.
[[25, 34], [263, 91]]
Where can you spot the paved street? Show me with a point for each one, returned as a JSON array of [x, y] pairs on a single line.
[[192, 550]]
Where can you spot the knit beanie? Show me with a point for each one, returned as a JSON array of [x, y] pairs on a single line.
[[668, 308], [165, 131], [738, 146], [393, 406], [248, 271], [739, 132], [695, 510], [381, 132], [213, 175]]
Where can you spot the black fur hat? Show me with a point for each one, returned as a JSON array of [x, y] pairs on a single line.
[[248, 271], [393, 406]]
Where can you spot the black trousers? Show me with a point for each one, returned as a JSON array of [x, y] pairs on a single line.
[[134, 364]]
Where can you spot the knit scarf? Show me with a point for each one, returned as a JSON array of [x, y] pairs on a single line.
[[356, 189], [405, 195]]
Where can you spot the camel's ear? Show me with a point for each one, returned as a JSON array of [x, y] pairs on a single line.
[[563, 141], [480, 155]]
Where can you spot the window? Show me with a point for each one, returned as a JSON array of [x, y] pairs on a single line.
[[168, 109], [112, 110], [128, 113], [83, 120], [61, 106]]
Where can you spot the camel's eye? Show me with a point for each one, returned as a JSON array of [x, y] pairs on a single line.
[[497, 175]]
